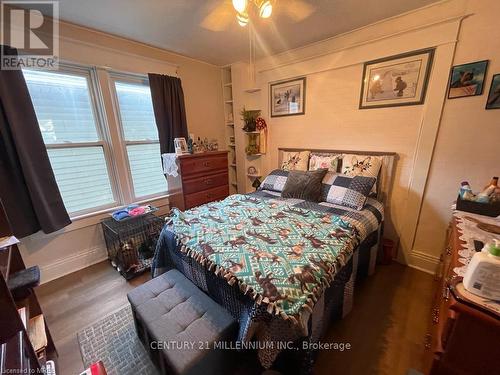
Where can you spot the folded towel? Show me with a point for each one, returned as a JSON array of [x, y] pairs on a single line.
[[137, 211], [120, 215]]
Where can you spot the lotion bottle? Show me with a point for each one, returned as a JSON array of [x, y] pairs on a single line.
[[483, 272]]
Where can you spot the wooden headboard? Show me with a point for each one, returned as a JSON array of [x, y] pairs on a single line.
[[386, 174]]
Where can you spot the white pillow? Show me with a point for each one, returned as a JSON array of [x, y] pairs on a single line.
[[361, 165], [324, 160], [295, 161]]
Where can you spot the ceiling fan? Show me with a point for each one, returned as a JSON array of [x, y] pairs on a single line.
[[243, 11]]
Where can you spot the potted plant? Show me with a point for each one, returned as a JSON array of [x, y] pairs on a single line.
[[249, 118]]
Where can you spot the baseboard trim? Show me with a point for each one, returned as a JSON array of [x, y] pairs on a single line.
[[423, 262], [72, 263]]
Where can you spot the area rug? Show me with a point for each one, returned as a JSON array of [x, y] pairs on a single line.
[[113, 340]]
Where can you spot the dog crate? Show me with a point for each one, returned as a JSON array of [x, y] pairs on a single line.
[[131, 243]]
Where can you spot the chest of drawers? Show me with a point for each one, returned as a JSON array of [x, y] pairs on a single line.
[[204, 177], [463, 337]]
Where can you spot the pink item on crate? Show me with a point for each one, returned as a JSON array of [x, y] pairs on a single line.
[[141, 210]]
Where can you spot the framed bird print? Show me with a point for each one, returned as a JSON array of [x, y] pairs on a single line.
[[467, 79], [396, 80], [288, 98]]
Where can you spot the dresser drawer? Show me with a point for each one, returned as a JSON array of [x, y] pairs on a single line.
[[195, 185], [202, 197], [201, 165]]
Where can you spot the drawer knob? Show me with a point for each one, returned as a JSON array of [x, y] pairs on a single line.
[[446, 293], [206, 164], [209, 181]]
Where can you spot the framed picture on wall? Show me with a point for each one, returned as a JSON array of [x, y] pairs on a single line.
[[288, 98], [467, 79], [396, 80], [493, 101]]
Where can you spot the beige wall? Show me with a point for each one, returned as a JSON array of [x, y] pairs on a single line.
[[458, 136], [81, 244], [333, 121], [468, 145]]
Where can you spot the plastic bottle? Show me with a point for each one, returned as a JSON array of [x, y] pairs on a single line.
[[466, 191], [483, 272]]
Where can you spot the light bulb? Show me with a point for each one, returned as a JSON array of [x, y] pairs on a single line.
[[240, 5], [265, 9], [242, 19]]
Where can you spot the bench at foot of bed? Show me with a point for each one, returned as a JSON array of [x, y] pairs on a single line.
[[178, 324]]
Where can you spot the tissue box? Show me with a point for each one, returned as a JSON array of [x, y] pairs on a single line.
[[487, 209]]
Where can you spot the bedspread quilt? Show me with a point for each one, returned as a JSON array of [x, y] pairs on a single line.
[[282, 256]]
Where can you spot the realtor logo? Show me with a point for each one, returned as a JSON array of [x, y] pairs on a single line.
[[32, 27]]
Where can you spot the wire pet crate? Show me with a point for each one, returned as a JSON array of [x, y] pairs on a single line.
[[131, 243]]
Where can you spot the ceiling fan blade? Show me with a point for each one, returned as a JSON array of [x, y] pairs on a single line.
[[298, 10], [219, 18]]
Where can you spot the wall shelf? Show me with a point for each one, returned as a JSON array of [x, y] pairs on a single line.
[[252, 90], [227, 95]]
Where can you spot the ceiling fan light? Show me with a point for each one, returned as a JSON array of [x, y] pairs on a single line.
[[265, 9], [242, 19], [240, 5]]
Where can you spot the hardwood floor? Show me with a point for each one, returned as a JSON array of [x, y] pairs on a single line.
[[74, 302], [385, 329]]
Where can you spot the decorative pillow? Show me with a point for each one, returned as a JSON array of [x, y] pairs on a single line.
[[304, 185], [329, 161], [361, 165], [295, 161], [347, 191], [275, 181]]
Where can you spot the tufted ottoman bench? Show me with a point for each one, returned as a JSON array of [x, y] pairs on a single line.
[[178, 324]]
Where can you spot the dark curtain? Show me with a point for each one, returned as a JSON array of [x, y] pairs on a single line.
[[169, 108], [28, 190]]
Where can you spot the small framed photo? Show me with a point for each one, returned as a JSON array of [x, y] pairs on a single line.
[[288, 98], [493, 101], [396, 80], [180, 146], [467, 79]]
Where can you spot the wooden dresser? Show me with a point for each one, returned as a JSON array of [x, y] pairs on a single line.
[[464, 332], [204, 177]]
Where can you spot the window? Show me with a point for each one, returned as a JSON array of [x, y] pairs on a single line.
[[140, 136], [84, 149], [65, 106]]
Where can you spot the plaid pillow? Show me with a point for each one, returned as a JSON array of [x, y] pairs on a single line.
[[347, 191], [275, 181]]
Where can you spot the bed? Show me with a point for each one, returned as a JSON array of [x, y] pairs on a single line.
[[283, 267]]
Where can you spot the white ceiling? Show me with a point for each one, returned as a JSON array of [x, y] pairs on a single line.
[[176, 24]]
